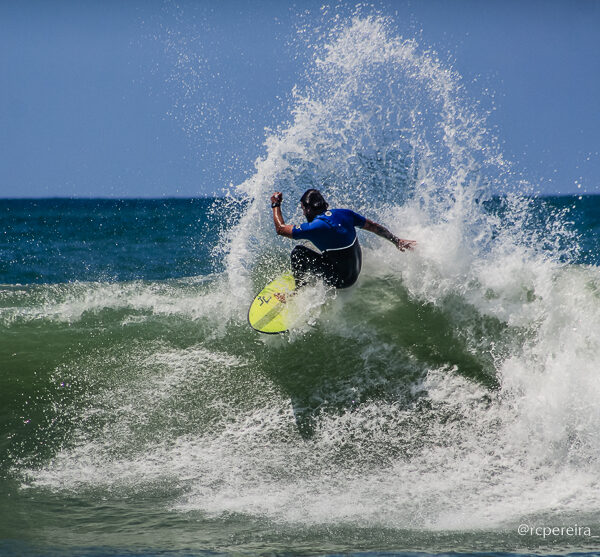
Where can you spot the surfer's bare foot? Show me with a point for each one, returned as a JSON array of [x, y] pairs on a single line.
[[281, 297]]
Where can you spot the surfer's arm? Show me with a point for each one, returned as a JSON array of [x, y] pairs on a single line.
[[382, 231], [280, 227]]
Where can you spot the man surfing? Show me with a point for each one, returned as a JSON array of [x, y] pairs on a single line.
[[333, 232]]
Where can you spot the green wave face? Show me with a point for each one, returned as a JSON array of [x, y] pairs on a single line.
[[138, 409], [104, 385], [64, 347]]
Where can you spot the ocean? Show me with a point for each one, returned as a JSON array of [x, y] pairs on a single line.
[[447, 404]]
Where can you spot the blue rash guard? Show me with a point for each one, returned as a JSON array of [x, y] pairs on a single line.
[[331, 230]]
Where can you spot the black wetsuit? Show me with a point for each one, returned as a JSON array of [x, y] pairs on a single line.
[[340, 260], [339, 268]]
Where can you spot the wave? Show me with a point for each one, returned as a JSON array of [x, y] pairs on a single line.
[[398, 402]]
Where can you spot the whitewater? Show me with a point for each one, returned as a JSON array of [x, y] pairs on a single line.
[[446, 400]]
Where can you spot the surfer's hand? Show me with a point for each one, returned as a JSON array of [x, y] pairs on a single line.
[[277, 197], [404, 244]]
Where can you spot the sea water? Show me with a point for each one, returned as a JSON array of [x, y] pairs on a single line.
[[448, 402]]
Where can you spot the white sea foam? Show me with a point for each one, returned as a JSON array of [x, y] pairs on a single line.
[[196, 298]]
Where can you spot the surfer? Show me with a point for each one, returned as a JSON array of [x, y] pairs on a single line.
[[333, 232]]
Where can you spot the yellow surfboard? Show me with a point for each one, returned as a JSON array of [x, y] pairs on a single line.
[[267, 314]]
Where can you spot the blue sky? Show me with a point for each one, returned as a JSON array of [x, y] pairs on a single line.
[[152, 98]]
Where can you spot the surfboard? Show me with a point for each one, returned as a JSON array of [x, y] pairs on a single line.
[[269, 315]]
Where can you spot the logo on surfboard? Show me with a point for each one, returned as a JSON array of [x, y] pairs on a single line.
[[263, 300]]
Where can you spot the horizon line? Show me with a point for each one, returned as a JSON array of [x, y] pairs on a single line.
[[177, 197]]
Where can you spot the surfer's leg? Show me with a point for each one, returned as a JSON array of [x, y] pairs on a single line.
[[346, 265], [306, 263]]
